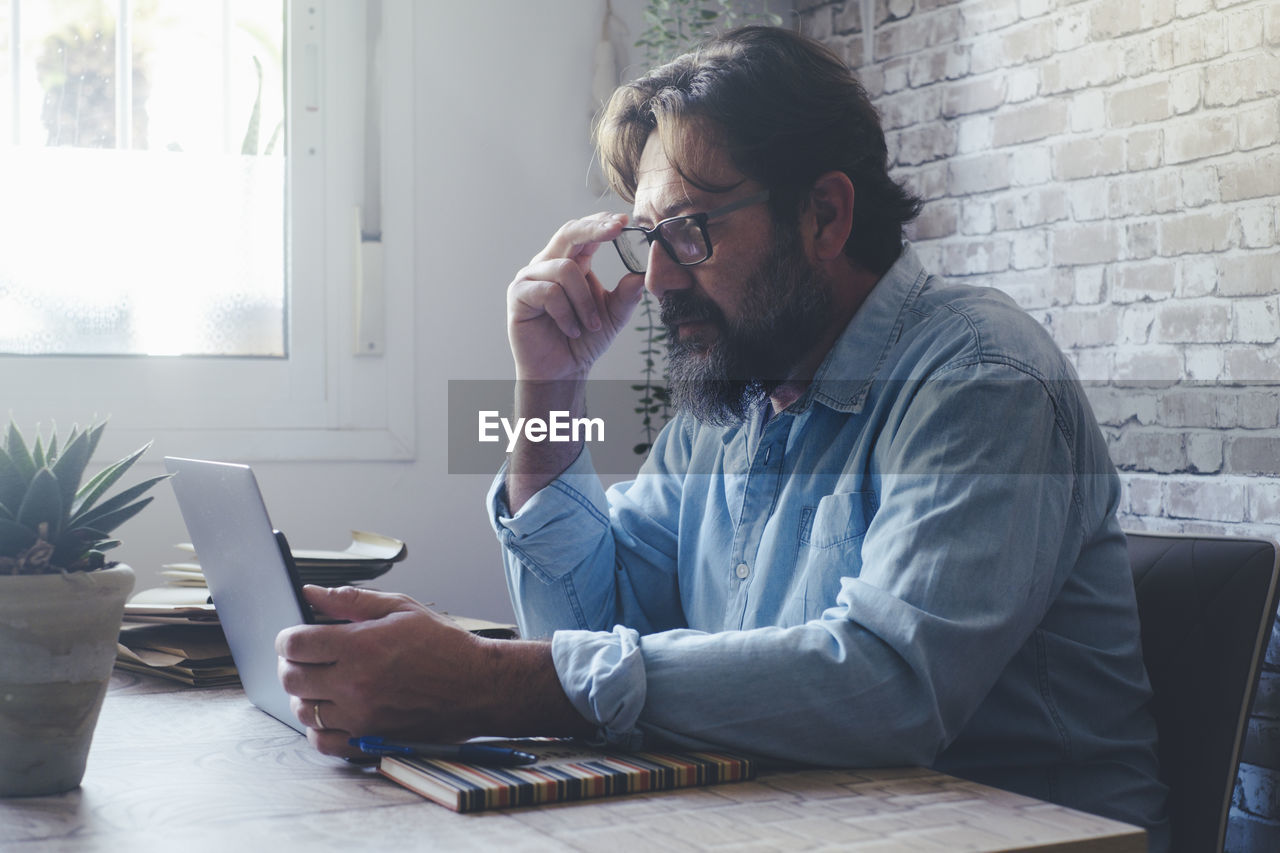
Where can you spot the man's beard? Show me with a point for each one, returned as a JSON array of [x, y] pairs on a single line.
[[782, 312]]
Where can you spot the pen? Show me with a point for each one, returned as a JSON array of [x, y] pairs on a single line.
[[474, 753]]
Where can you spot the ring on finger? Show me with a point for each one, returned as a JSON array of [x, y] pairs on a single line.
[[315, 712]]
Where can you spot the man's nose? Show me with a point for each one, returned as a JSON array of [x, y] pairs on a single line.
[[663, 274]]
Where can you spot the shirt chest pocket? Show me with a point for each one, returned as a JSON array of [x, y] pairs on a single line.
[[837, 520]]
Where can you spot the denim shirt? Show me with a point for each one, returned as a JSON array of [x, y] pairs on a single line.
[[917, 562]]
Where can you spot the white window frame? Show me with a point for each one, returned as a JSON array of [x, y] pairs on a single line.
[[330, 398]]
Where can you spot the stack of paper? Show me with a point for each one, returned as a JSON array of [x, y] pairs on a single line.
[[193, 654], [368, 556]]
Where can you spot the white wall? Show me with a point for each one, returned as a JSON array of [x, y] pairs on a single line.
[[502, 110]]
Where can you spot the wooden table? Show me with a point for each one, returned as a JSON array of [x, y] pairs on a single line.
[[178, 769]]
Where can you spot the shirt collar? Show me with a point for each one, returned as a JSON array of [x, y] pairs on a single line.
[[844, 378]]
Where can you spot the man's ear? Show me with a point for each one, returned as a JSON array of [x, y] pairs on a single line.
[[831, 201]]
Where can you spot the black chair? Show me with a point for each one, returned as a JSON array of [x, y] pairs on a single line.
[[1207, 605]]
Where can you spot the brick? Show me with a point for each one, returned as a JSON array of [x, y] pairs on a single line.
[[981, 16], [1035, 8], [1075, 327], [1141, 240], [1095, 64], [1272, 26], [1260, 409], [983, 173], [909, 107], [1145, 495], [1252, 363], [1254, 177], [1141, 282], [1029, 123], [973, 134], [1086, 244], [1030, 250], [1023, 84], [1198, 185], [1072, 29], [1198, 137], [1197, 276], [895, 75], [1256, 320], [1246, 79], [1031, 166], [1088, 157], [848, 18], [1191, 8], [1032, 207], [1199, 40], [1157, 13], [1263, 503], [1035, 289], [976, 256], [1117, 407], [1136, 323], [817, 24], [937, 219], [1254, 274], [1207, 499], [929, 181], [931, 66], [1209, 231], [972, 96], [923, 143], [1144, 149], [1203, 322], [1204, 453], [1090, 283], [1244, 30], [976, 216], [1202, 362], [1148, 364], [1156, 451], [1257, 226], [1253, 455], [1196, 405], [1088, 200], [1088, 112], [1184, 91], [1111, 18], [1143, 195], [1258, 126], [1028, 42]]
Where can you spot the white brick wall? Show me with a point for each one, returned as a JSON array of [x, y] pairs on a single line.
[[1114, 165]]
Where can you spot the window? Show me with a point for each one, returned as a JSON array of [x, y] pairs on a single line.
[[185, 184]]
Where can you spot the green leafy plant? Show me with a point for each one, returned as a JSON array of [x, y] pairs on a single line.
[[49, 522], [674, 27]]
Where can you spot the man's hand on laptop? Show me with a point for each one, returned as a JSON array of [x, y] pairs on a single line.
[[399, 669]]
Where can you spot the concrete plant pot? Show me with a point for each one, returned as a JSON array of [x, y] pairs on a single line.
[[58, 633]]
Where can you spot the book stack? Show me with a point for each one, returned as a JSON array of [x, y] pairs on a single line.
[[565, 770], [172, 631]]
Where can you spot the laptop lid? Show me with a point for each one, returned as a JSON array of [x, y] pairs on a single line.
[[248, 568]]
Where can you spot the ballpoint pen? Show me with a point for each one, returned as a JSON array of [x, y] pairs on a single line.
[[473, 753]]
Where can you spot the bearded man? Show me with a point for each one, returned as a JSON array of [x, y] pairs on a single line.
[[880, 530]]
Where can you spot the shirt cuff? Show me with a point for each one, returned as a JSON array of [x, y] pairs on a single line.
[[602, 673]]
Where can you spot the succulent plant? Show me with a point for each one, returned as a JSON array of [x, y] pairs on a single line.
[[49, 522]]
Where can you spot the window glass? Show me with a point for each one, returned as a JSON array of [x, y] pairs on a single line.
[[144, 173]]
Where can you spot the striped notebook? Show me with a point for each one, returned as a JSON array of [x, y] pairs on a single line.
[[566, 770]]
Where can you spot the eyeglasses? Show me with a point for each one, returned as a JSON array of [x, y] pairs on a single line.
[[683, 237]]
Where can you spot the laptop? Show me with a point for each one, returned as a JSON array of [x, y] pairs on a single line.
[[249, 569]]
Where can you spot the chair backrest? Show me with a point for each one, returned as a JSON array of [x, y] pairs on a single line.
[[1207, 605]]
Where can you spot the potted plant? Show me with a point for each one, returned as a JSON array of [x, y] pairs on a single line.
[[61, 603]]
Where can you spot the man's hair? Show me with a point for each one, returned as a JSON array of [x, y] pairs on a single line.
[[785, 109]]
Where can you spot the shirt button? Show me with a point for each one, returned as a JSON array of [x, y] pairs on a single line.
[[742, 571]]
